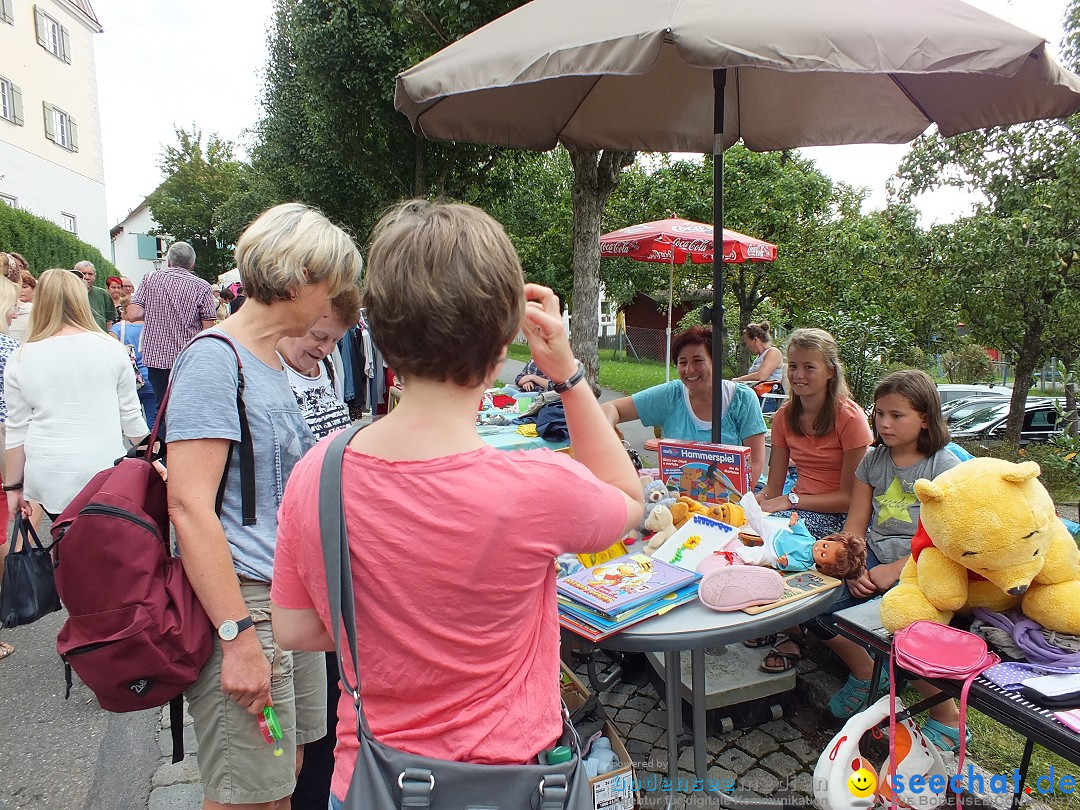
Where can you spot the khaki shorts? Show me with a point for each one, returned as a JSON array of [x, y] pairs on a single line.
[[236, 764]]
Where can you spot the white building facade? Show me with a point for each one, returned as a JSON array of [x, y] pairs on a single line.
[[51, 161], [134, 251]]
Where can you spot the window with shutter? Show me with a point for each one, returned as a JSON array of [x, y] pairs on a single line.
[[6, 14], [7, 100], [41, 24], [50, 130], [52, 36], [16, 98]]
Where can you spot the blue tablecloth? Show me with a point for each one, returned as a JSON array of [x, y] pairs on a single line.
[[506, 437]]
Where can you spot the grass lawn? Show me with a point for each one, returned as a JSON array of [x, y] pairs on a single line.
[[616, 373]]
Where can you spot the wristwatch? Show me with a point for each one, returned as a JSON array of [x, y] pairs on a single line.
[[575, 378], [793, 499], [228, 629]]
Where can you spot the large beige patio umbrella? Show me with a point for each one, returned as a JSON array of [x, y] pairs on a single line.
[[701, 75]]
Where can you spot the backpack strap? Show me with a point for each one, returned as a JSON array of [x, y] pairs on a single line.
[[247, 448], [328, 364]]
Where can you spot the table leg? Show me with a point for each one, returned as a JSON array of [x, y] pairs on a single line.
[[1025, 761], [672, 682], [697, 667]]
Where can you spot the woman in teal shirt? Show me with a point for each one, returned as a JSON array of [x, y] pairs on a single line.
[[683, 407]]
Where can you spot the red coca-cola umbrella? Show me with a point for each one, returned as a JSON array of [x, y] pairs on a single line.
[[673, 241]]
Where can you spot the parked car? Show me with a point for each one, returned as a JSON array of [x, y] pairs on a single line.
[[1041, 422], [960, 409], [950, 391]]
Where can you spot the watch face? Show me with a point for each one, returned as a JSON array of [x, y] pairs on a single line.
[[793, 498], [228, 630]]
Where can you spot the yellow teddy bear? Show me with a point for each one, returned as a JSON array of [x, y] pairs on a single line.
[[988, 537]]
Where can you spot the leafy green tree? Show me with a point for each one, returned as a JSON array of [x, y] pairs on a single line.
[[199, 179], [1011, 265], [330, 135], [530, 196], [596, 174]]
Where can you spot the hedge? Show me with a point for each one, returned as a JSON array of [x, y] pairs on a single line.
[[44, 244]]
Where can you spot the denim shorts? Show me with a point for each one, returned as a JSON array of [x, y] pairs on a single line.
[[236, 764]]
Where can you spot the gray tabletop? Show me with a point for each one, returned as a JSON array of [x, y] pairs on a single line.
[[693, 626]]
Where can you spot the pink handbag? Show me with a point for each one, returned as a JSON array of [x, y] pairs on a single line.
[[937, 651]]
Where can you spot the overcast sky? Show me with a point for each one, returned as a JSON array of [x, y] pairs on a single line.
[[185, 62]]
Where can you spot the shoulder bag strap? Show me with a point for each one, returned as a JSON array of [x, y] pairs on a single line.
[[247, 449], [335, 546], [328, 364]]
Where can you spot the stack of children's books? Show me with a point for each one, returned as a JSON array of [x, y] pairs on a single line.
[[601, 600]]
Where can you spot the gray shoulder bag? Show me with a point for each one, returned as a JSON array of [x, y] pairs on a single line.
[[388, 779]]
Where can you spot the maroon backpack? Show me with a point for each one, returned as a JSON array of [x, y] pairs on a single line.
[[136, 633]]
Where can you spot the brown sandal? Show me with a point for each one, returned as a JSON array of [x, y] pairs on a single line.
[[761, 641], [787, 660]]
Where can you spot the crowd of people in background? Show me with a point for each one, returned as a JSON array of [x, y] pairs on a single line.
[[84, 371]]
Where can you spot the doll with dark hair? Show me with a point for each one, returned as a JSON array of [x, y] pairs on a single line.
[[841, 555]]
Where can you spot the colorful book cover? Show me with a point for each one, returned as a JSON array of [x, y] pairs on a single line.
[[598, 619], [626, 582], [594, 626]]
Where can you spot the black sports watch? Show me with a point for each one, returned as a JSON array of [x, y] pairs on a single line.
[[575, 378], [228, 629]]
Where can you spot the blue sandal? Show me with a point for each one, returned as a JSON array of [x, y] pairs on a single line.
[[945, 738], [853, 697]]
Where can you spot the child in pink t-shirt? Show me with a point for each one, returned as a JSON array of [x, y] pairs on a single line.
[[452, 542]]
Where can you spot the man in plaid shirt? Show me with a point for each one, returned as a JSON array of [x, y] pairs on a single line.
[[176, 305]]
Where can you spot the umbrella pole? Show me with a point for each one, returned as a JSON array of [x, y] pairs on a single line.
[[670, 288], [719, 82]]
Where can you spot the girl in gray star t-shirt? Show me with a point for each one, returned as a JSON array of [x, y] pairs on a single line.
[[910, 438]]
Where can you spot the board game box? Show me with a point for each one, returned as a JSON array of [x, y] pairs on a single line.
[[706, 472]]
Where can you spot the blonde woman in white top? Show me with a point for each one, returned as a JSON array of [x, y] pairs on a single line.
[[71, 399]]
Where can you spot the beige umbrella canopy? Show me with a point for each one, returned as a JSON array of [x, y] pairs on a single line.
[[638, 74], [701, 75]]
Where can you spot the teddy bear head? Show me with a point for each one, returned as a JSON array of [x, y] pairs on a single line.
[[992, 517]]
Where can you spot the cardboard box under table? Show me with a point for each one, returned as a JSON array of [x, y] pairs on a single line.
[[613, 790]]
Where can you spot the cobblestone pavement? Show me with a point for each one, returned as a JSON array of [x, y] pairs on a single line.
[[766, 759]]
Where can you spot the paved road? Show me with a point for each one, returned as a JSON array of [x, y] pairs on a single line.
[[66, 754]]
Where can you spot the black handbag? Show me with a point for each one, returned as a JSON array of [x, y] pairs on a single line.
[[28, 590]]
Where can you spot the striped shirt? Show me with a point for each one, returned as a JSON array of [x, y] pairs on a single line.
[[175, 302]]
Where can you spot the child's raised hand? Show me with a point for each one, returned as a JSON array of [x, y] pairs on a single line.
[[545, 334]]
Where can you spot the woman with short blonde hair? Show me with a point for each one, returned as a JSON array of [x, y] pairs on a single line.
[[293, 260], [71, 399]]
